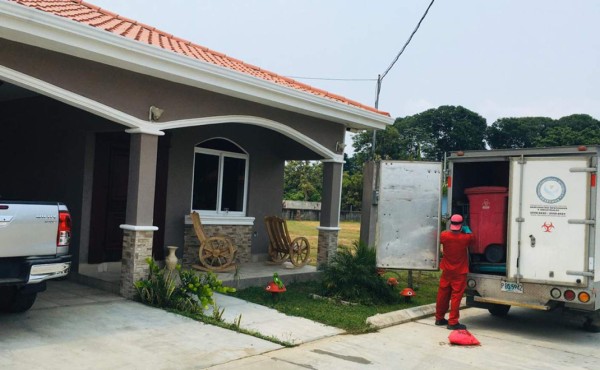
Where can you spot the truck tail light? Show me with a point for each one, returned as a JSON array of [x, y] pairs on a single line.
[[583, 297], [569, 295], [63, 237]]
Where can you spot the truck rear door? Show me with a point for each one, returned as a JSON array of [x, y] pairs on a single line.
[[408, 215], [28, 229], [548, 219]]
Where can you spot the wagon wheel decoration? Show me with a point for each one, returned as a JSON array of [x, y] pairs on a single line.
[[299, 251], [216, 253], [278, 255]]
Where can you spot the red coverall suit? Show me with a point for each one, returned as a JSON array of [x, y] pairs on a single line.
[[454, 266]]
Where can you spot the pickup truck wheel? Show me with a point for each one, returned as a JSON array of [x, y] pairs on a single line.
[[13, 300], [499, 310]]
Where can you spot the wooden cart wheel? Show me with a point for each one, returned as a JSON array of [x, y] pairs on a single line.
[[277, 255], [216, 253], [299, 251]]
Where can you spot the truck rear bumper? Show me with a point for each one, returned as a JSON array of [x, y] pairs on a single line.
[[56, 268], [22, 271]]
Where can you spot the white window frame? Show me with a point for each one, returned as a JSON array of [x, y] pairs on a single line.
[[222, 155]]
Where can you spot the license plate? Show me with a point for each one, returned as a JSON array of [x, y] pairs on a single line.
[[505, 286]]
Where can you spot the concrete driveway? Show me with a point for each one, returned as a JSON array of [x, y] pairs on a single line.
[[72, 326], [525, 339], [76, 327]]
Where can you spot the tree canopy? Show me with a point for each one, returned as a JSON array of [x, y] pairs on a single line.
[[430, 134], [426, 136], [529, 132]]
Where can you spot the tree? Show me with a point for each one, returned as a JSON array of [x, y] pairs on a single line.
[[514, 133], [528, 132], [450, 128], [427, 135], [386, 145], [303, 180], [352, 190]]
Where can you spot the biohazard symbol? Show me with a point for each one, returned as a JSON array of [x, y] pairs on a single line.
[[485, 204], [548, 227]]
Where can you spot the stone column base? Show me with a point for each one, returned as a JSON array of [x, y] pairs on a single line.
[[137, 247], [327, 246]]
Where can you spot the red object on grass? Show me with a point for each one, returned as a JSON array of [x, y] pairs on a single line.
[[463, 338], [392, 281], [408, 292], [273, 288]]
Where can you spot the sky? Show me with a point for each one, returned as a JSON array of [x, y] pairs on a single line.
[[503, 58]]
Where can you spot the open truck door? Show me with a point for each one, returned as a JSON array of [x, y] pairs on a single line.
[[549, 213], [408, 215]]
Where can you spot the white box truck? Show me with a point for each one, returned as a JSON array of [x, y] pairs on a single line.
[[541, 232]]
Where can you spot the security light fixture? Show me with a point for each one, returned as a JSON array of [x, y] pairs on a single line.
[[339, 147], [155, 113]]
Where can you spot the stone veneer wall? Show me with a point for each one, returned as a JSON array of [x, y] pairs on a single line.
[[240, 234], [137, 246], [327, 247]]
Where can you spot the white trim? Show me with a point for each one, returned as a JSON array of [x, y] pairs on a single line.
[[138, 227], [221, 155], [221, 220], [145, 131], [31, 83], [31, 26], [257, 121], [327, 228]]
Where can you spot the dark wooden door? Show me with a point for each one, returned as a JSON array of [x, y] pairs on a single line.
[[109, 197]]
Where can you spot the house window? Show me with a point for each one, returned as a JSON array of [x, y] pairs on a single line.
[[220, 178]]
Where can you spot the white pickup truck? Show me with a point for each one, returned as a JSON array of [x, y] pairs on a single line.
[[34, 247]]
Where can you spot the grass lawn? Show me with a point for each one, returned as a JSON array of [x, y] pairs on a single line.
[[297, 300], [349, 233], [351, 318]]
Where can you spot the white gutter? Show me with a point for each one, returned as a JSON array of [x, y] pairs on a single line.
[[33, 27]]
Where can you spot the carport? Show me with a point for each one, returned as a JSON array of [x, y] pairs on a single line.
[[128, 127]]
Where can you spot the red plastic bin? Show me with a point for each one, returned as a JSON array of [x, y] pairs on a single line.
[[487, 220]]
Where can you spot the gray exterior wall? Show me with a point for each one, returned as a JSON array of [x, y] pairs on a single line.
[[134, 93], [267, 151]]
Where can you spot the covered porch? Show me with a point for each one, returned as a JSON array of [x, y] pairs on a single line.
[[133, 135]]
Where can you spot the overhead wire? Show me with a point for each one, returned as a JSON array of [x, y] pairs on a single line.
[[381, 76]]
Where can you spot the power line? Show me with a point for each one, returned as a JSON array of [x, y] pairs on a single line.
[[381, 76], [407, 41]]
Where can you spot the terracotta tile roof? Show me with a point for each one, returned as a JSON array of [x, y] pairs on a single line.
[[86, 13]]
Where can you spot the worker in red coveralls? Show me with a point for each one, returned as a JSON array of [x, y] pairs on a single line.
[[454, 266]]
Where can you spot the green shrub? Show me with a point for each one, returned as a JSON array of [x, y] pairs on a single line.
[[183, 290], [352, 276]]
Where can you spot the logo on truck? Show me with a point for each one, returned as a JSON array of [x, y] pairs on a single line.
[[551, 190]]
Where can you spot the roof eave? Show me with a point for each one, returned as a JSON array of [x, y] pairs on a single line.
[[33, 27]]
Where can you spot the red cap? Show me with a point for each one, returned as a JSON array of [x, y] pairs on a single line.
[[456, 222]]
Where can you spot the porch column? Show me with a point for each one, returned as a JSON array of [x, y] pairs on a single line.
[[138, 231], [330, 212]]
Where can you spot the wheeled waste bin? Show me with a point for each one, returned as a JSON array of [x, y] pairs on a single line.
[[487, 215]]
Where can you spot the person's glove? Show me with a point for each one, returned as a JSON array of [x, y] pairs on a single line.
[[466, 229]]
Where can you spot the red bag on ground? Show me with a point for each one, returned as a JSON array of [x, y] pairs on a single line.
[[463, 338]]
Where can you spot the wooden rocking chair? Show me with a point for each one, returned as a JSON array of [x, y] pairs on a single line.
[[216, 253], [282, 247]]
